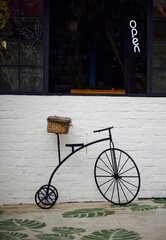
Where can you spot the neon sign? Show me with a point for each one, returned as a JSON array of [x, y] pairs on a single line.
[[134, 33]]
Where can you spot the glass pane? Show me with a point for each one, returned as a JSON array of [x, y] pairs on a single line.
[[159, 80], [9, 79], [31, 53], [91, 45], [10, 32], [159, 31], [10, 55], [31, 79], [33, 7], [4, 13], [159, 8], [14, 7], [159, 69], [159, 56], [21, 44], [32, 29]]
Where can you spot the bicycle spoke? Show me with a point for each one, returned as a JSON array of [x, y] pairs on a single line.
[[104, 176], [106, 165], [46, 196], [109, 187], [123, 191], [130, 176], [118, 191], [113, 158], [129, 183], [103, 169], [127, 170], [105, 182], [51, 198], [123, 165], [117, 176], [127, 188], [109, 160], [119, 160], [41, 193], [113, 190]]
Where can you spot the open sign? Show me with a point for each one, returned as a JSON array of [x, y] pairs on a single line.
[[134, 33]]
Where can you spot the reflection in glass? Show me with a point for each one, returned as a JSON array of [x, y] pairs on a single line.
[[9, 31], [32, 29], [31, 79], [90, 46], [33, 7], [28, 7], [159, 69], [159, 80], [159, 47], [10, 54], [23, 37], [9, 79], [31, 53], [159, 8], [14, 7], [159, 56], [159, 31]]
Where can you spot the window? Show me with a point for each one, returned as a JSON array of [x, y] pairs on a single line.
[[159, 47], [83, 47], [91, 46], [21, 50]]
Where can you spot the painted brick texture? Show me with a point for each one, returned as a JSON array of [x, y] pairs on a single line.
[[28, 154]]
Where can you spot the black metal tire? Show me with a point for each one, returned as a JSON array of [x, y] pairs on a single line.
[[46, 196], [118, 188]]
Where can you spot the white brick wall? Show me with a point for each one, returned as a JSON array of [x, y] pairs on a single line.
[[28, 154]]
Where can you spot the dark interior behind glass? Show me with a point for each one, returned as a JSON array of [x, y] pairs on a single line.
[[91, 46]]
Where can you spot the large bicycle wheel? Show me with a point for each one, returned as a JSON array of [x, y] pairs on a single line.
[[117, 176]]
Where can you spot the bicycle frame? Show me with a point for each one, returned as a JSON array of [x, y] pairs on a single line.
[[74, 151], [116, 175]]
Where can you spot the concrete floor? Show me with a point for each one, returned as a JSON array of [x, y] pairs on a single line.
[[144, 219]]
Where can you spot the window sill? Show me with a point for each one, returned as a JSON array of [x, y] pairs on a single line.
[[97, 91]]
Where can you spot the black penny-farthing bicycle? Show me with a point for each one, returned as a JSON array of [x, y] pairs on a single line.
[[116, 174]]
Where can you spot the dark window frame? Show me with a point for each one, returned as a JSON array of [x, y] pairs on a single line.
[[18, 19], [45, 90]]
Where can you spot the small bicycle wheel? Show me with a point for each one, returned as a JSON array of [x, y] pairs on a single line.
[[46, 196], [117, 176]]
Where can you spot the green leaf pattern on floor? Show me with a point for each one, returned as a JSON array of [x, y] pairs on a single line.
[[68, 230], [23, 229], [12, 235], [54, 237], [159, 200], [138, 207], [88, 213], [20, 225], [115, 234], [61, 233], [13, 230]]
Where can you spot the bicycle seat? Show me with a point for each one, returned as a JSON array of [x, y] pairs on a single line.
[[104, 129], [73, 145]]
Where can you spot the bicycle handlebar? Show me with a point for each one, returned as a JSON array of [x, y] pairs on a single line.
[[104, 129]]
